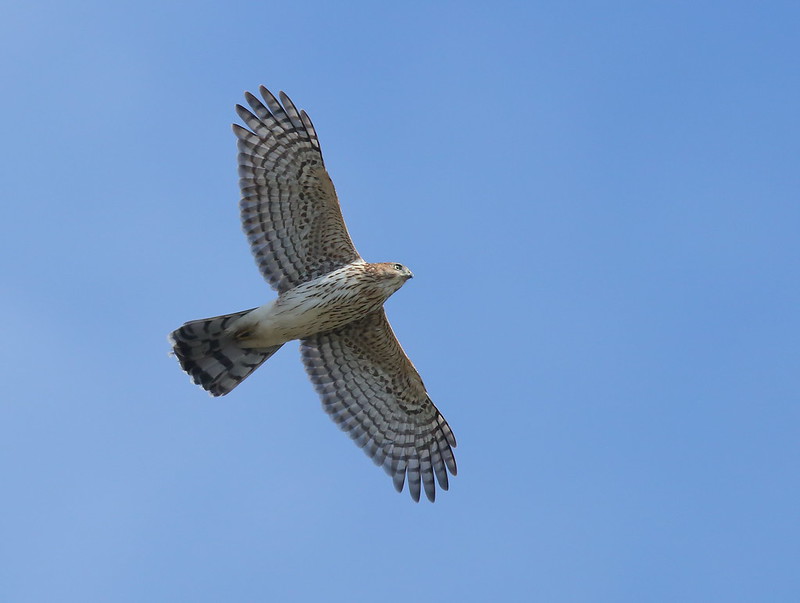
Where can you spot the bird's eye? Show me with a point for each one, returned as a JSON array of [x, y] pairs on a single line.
[[398, 267]]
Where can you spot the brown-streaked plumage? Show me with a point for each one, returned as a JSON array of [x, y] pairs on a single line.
[[328, 297]]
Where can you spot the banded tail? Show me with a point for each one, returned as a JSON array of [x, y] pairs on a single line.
[[214, 358]]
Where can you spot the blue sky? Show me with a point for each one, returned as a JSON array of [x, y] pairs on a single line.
[[600, 205]]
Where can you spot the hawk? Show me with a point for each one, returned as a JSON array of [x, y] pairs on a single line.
[[328, 297]]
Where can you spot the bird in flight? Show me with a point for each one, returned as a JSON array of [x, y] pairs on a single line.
[[329, 298]]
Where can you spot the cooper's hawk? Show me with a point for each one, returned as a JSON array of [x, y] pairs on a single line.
[[328, 297]]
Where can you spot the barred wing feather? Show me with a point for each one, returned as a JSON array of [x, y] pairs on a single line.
[[289, 208], [372, 391]]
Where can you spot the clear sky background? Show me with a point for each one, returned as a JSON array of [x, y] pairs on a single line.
[[599, 201]]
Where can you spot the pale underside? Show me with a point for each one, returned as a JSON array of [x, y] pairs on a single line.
[[322, 304]]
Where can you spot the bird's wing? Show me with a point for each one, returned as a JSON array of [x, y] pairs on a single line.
[[372, 391], [289, 209]]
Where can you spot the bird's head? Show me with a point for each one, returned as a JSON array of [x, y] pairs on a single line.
[[399, 271], [391, 275]]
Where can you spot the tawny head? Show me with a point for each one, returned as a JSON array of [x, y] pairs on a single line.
[[392, 270], [390, 275]]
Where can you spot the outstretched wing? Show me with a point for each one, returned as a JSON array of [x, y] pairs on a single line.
[[373, 392], [289, 209]]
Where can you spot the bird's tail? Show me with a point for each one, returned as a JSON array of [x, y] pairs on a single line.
[[213, 357]]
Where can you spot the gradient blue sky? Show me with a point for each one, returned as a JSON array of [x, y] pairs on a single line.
[[600, 203]]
